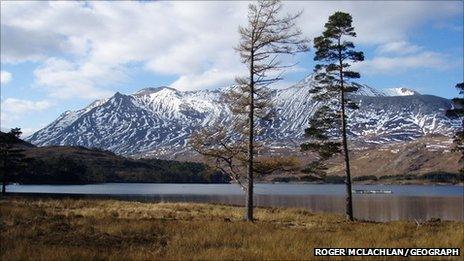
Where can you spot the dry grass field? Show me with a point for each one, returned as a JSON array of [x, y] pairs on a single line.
[[72, 229]]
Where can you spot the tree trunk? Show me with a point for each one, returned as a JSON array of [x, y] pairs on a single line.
[[349, 193], [249, 196]]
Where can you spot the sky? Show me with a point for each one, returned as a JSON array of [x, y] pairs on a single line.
[[59, 56]]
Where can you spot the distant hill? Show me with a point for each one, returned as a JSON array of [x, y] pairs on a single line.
[[429, 159], [79, 165], [19, 143]]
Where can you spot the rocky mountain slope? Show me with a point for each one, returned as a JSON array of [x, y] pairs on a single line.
[[159, 121]]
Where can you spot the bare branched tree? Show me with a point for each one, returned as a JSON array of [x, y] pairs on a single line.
[[234, 149]]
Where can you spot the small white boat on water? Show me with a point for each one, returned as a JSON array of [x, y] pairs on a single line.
[[362, 191]]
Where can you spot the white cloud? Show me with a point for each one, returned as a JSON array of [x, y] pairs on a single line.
[[376, 22], [12, 109], [84, 48], [64, 79], [400, 47], [5, 77], [399, 64], [22, 106], [181, 39], [208, 79]]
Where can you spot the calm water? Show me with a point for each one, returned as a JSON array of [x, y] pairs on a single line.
[[406, 201]]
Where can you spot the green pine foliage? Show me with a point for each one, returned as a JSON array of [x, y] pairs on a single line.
[[335, 54], [11, 157], [324, 122]]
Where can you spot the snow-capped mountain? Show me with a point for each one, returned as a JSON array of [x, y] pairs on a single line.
[[159, 121]]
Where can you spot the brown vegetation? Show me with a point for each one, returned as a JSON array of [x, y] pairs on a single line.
[[405, 162], [46, 229], [430, 154]]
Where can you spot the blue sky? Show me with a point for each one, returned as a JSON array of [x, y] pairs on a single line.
[[58, 56]]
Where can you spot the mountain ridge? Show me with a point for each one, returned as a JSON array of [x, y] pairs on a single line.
[[158, 121]]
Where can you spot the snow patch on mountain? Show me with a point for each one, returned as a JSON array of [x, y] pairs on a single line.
[[160, 120]]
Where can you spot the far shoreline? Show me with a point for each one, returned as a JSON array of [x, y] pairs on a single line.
[[374, 183]]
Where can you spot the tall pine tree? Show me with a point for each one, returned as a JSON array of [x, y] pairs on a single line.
[[458, 112], [335, 54]]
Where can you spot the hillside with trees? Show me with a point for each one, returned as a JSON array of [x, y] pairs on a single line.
[[80, 165]]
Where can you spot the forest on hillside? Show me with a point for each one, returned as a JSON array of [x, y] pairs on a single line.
[[79, 165]]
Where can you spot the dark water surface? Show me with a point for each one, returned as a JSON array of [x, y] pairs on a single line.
[[409, 202]]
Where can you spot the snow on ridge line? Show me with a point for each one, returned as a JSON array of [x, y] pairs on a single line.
[[150, 90], [307, 83], [400, 91]]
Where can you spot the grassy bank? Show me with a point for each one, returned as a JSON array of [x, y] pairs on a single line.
[[48, 229]]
